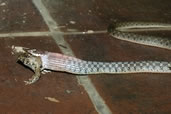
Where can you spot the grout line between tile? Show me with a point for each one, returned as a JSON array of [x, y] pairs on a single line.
[[85, 32], [85, 81], [23, 34], [45, 33]]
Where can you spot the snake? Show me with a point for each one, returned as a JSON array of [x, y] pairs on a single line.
[[40, 61], [138, 26]]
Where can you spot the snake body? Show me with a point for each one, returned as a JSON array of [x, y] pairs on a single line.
[[120, 31], [60, 62]]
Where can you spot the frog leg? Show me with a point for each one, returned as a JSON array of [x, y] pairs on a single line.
[[35, 64], [35, 77]]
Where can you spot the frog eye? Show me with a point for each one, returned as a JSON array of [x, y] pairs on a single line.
[[21, 58], [26, 61]]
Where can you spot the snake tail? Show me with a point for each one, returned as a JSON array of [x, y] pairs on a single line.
[[138, 26], [143, 39]]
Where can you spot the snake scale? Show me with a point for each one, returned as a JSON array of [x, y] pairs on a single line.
[[40, 61]]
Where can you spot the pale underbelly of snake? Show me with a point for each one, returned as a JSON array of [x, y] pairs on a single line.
[[58, 62]]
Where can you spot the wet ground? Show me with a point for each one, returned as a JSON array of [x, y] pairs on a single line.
[[82, 24]]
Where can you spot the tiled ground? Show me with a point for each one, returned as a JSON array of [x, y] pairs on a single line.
[[20, 16], [97, 14], [130, 93]]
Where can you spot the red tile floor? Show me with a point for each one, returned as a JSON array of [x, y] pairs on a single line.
[[78, 27]]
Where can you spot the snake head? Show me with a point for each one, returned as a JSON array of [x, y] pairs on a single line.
[[23, 50]]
